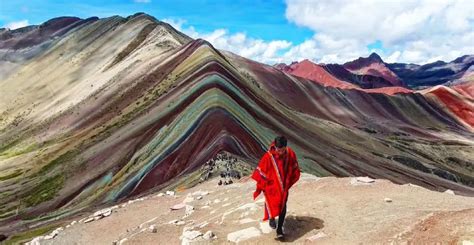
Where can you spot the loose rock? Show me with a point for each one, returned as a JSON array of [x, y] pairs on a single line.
[[209, 235], [243, 235]]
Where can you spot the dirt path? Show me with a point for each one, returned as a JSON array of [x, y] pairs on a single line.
[[320, 210]]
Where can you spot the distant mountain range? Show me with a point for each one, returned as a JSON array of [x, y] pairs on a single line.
[[97, 111], [373, 72]]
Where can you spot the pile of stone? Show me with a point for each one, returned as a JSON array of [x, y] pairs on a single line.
[[99, 215], [190, 235], [53, 234]]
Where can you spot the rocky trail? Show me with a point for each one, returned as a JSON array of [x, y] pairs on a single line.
[[326, 210]]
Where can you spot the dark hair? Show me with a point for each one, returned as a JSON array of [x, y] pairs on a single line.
[[280, 141]]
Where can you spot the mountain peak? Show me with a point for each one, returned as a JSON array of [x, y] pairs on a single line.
[[363, 62], [142, 15], [375, 57]]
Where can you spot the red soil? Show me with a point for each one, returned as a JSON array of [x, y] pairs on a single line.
[[461, 108]]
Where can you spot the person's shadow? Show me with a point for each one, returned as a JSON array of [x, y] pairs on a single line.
[[297, 226]]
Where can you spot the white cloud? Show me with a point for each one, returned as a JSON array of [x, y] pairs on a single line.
[[16, 24], [393, 57], [324, 49], [411, 31], [243, 45], [142, 1], [416, 31], [179, 25], [239, 43]]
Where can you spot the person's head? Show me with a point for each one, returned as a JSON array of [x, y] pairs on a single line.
[[280, 144]]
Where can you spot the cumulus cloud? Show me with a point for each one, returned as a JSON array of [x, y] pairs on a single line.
[[410, 31], [16, 24], [416, 31], [239, 43]]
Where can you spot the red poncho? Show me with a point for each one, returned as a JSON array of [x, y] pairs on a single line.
[[275, 175]]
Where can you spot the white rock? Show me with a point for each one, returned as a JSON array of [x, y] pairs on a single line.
[[243, 235], [465, 242], [365, 179], [153, 229], [217, 201], [413, 185], [200, 193], [317, 236], [188, 228], [188, 200], [209, 235], [178, 206], [173, 221], [355, 182], [170, 193], [189, 210], [89, 220], [387, 199], [246, 220], [198, 197], [53, 234], [205, 207], [191, 234], [73, 223], [35, 241], [180, 223], [448, 191], [265, 227], [202, 225], [49, 237], [160, 194], [108, 213], [123, 241], [103, 211]]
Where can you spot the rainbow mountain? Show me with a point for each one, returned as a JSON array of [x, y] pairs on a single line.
[[97, 111]]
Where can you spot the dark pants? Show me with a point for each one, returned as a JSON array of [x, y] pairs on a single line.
[[281, 218]]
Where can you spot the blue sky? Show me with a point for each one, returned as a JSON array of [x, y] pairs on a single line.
[[259, 19], [325, 31]]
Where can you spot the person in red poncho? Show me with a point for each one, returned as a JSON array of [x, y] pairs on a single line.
[[276, 172]]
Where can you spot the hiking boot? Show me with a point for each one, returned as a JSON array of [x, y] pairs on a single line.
[[280, 235], [272, 223]]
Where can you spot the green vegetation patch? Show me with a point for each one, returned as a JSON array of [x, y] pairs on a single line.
[[66, 157], [17, 173], [16, 152], [28, 235], [45, 191]]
